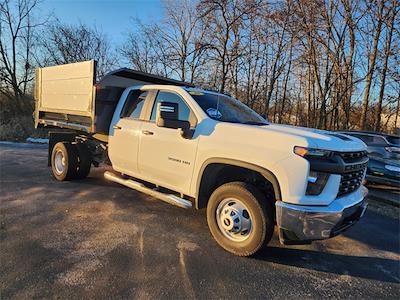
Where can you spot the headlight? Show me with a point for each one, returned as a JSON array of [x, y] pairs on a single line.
[[392, 168], [316, 183], [316, 180], [312, 153]]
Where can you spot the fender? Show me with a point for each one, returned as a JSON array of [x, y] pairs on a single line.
[[267, 174]]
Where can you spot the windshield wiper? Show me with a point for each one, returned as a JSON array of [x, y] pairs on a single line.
[[255, 123]]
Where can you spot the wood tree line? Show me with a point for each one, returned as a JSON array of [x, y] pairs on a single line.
[[326, 64]]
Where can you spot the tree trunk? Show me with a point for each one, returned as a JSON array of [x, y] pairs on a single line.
[[397, 111], [371, 68], [309, 96], [286, 83], [389, 35], [349, 69]]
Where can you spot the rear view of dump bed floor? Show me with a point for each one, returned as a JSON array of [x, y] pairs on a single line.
[[67, 96]]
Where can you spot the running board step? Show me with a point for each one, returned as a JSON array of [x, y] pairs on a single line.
[[169, 198]]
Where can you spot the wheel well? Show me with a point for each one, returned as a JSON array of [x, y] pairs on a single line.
[[217, 174], [96, 148]]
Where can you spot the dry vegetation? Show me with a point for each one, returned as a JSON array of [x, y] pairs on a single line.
[[17, 126], [329, 64]]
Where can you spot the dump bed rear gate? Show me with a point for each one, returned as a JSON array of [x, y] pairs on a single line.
[[65, 96]]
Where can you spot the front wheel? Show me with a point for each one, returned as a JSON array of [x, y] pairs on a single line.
[[239, 218]]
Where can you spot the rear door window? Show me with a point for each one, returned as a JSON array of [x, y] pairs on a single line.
[[134, 104]]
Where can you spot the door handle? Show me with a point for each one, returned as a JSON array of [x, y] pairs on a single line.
[[117, 127], [146, 132]]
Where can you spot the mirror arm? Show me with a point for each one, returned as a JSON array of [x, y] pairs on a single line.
[[184, 126], [187, 133]]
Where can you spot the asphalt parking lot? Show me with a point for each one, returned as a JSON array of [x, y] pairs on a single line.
[[95, 239]]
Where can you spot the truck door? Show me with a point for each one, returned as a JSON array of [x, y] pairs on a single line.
[[165, 157], [125, 134]]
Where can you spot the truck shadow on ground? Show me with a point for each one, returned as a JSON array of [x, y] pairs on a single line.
[[368, 229], [375, 268], [367, 267]]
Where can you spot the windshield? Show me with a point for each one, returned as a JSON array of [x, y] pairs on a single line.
[[393, 140], [226, 109]]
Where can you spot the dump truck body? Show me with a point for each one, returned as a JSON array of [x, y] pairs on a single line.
[[68, 96]]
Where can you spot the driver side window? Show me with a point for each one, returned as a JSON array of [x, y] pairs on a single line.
[[185, 114]]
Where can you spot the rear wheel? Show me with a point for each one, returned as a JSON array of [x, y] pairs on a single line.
[[64, 161], [239, 218], [85, 161]]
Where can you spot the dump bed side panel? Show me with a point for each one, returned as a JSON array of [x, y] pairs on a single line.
[[66, 94]]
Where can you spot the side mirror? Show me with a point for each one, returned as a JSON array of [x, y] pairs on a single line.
[[168, 117], [265, 116]]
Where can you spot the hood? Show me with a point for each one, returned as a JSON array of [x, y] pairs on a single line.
[[281, 137], [321, 139], [298, 136]]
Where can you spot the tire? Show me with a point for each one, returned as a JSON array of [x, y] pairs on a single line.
[[64, 161], [219, 217], [85, 161]]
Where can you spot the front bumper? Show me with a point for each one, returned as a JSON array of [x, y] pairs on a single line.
[[300, 224]]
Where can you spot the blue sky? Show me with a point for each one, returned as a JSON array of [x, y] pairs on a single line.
[[113, 17]]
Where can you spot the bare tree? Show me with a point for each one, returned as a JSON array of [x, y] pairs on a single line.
[[224, 17], [183, 38], [372, 62], [392, 12], [64, 44], [174, 47], [139, 49], [298, 61], [17, 29], [351, 22], [285, 87], [277, 63]]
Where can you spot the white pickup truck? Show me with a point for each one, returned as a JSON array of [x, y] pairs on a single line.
[[196, 148]]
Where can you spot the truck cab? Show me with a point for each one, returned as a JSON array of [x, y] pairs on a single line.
[[197, 148], [139, 147]]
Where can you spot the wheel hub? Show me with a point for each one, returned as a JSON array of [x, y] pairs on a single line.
[[233, 219], [59, 162]]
